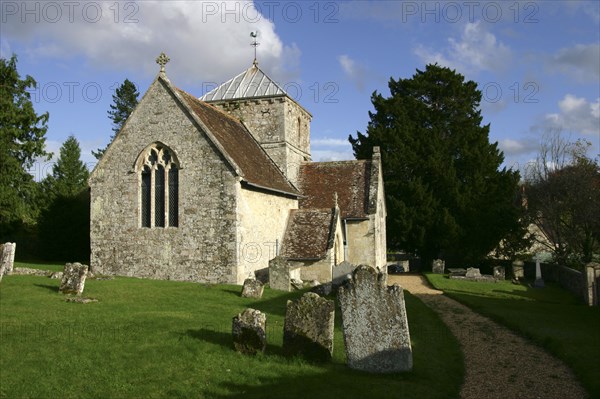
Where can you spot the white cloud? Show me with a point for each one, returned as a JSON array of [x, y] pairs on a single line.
[[206, 41], [576, 115], [581, 61], [329, 155], [353, 70], [328, 142], [476, 50]]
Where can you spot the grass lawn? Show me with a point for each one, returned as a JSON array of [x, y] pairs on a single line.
[[156, 339], [552, 317]]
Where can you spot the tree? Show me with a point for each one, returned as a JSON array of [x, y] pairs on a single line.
[[64, 222], [563, 198], [69, 173], [125, 100], [445, 193], [22, 140]]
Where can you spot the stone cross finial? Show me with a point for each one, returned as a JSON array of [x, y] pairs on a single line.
[[162, 60], [335, 198]]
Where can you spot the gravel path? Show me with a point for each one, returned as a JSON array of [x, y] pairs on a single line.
[[498, 363]]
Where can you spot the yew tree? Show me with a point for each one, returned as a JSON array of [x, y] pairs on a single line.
[[446, 193]]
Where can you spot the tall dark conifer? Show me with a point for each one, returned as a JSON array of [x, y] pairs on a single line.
[[125, 100], [446, 194]]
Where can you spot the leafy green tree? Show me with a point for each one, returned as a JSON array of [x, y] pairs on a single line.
[[563, 199], [446, 194], [22, 140], [125, 100], [64, 222]]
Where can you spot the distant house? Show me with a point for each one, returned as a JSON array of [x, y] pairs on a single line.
[[211, 189]]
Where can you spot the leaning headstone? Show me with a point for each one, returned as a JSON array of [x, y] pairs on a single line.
[[252, 288], [374, 323], [73, 279], [7, 258], [249, 332], [438, 266], [308, 327], [472, 272], [499, 273], [279, 274], [518, 269]]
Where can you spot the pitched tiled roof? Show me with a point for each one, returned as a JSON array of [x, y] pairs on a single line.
[[253, 82], [319, 181], [256, 167], [308, 234]]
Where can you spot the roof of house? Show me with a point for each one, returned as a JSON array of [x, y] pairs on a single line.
[[253, 82], [239, 146], [351, 180], [309, 234]]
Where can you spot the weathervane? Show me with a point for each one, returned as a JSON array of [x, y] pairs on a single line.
[[254, 44], [162, 60]]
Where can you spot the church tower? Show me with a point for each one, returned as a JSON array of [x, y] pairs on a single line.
[[277, 122]]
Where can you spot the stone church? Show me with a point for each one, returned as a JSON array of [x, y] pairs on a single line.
[[210, 189]]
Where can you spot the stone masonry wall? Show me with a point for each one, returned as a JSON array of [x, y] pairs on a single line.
[[203, 247], [279, 124], [262, 219], [360, 239]]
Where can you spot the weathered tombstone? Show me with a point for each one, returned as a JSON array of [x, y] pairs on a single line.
[[308, 327], [262, 275], [438, 266], [73, 279], [374, 323], [472, 272], [7, 258], [252, 288], [279, 274], [518, 269], [499, 273], [592, 283], [539, 281], [296, 283], [249, 332]]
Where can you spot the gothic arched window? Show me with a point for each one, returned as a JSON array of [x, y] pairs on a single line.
[[159, 187]]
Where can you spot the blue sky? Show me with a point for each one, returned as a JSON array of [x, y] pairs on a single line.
[[537, 63]]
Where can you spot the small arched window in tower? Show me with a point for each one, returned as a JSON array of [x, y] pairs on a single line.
[[159, 188], [299, 130]]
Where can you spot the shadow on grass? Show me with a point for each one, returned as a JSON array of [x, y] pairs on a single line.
[[52, 288], [341, 382]]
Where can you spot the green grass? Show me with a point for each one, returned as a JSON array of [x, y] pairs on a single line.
[[552, 317], [157, 339]]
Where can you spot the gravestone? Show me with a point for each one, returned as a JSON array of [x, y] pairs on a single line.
[[249, 332], [374, 323], [438, 266], [252, 288], [308, 327], [7, 258], [499, 273], [279, 274], [73, 279], [518, 269], [539, 281], [472, 272], [592, 284]]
